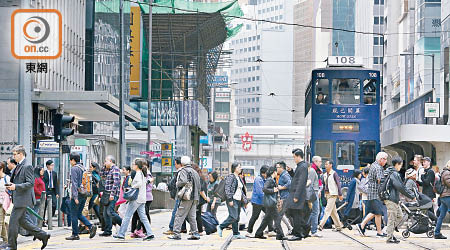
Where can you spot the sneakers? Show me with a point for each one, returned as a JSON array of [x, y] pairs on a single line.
[[168, 232], [382, 235], [219, 231], [73, 237], [140, 234], [175, 237], [271, 234], [150, 237], [116, 236], [361, 230], [92, 232], [194, 236], [392, 240], [239, 237], [320, 227], [133, 235], [337, 229], [316, 235], [440, 237], [250, 235], [260, 237]]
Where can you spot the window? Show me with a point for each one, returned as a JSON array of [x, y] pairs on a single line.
[[249, 26], [376, 40], [248, 90], [376, 20], [258, 36], [249, 69], [258, 47], [257, 119], [276, 7], [245, 39], [345, 155], [257, 109], [322, 92], [366, 152], [324, 149], [248, 110], [253, 110], [253, 99], [257, 99], [375, 60], [381, 20], [253, 79], [249, 38], [257, 87], [346, 91], [370, 91], [253, 89]]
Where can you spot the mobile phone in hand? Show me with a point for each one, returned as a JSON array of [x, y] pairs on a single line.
[[8, 184]]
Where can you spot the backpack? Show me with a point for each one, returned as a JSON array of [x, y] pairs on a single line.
[[383, 192], [85, 188], [438, 186], [219, 192], [186, 193]]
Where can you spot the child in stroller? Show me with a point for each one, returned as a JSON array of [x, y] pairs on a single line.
[[419, 217]]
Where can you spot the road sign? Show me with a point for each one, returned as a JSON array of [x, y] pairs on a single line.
[[432, 110], [166, 146], [166, 162]]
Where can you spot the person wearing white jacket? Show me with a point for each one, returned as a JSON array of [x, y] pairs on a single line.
[[139, 182]]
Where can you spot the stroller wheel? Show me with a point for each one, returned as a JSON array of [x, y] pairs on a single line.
[[405, 234], [430, 234], [349, 227]]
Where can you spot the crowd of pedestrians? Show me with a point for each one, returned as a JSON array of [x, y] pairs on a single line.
[[302, 197]]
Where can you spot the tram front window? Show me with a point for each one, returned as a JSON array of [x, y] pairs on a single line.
[[322, 91], [366, 152], [346, 91], [370, 90], [345, 155], [324, 149]]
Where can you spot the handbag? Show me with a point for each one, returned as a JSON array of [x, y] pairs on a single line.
[[270, 200], [131, 194], [185, 193], [310, 194]]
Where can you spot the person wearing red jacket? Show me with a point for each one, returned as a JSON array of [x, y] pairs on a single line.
[[39, 187]]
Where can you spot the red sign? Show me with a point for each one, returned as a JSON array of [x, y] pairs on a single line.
[[150, 153], [345, 170], [247, 142]]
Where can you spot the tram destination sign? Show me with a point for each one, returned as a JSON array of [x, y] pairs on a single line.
[[346, 113]]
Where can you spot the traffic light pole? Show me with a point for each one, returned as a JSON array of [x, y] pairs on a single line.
[[149, 86], [122, 141]]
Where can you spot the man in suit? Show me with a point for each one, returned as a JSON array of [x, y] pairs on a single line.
[[22, 184], [296, 203], [51, 186]]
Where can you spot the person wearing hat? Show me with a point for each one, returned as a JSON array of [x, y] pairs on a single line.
[[410, 184], [428, 179]]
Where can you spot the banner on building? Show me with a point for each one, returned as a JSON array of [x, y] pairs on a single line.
[[135, 51]]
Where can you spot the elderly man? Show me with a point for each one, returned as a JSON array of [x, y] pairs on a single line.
[[111, 176], [374, 205], [187, 209], [22, 184]]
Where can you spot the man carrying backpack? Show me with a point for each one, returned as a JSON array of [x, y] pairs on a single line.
[[391, 188], [77, 200], [445, 200], [188, 184]]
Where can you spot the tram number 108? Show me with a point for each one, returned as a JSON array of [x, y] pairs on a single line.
[[344, 60]]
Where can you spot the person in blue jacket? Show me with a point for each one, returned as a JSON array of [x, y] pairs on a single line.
[[352, 199], [257, 198]]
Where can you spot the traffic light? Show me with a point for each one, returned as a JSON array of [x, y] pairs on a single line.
[[59, 122]]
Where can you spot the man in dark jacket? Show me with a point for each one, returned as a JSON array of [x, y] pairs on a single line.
[[173, 194], [428, 179], [395, 187], [22, 183], [296, 202], [51, 186]]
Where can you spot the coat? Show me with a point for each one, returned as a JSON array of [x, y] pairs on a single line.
[[298, 187], [445, 177], [54, 179], [183, 179], [428, 182], [23, 178], [396, 186]]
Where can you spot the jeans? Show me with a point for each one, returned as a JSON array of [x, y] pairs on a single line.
[[136, 223], [110, 216], [94, 206], [212, 211], [174, 212], [54, 202], [134, 206], [443, 209], [233, 217], [76, 211], [314, 217]]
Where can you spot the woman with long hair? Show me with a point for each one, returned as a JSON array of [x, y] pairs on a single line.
[[39, 187], [137, 230], [95, 171], [213, 183], [139, 182]]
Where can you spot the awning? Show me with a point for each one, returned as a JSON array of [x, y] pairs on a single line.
[[95, 106]]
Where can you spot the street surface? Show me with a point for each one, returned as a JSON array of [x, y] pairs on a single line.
[[348, 239]]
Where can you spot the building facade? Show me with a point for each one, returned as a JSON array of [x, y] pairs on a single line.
[[312, 46], [262, 65]]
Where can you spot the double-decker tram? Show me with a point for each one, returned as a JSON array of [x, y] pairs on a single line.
[[342, 114]]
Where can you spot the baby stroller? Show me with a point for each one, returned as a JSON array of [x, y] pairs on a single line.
[[352, 218], [420, 221]]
